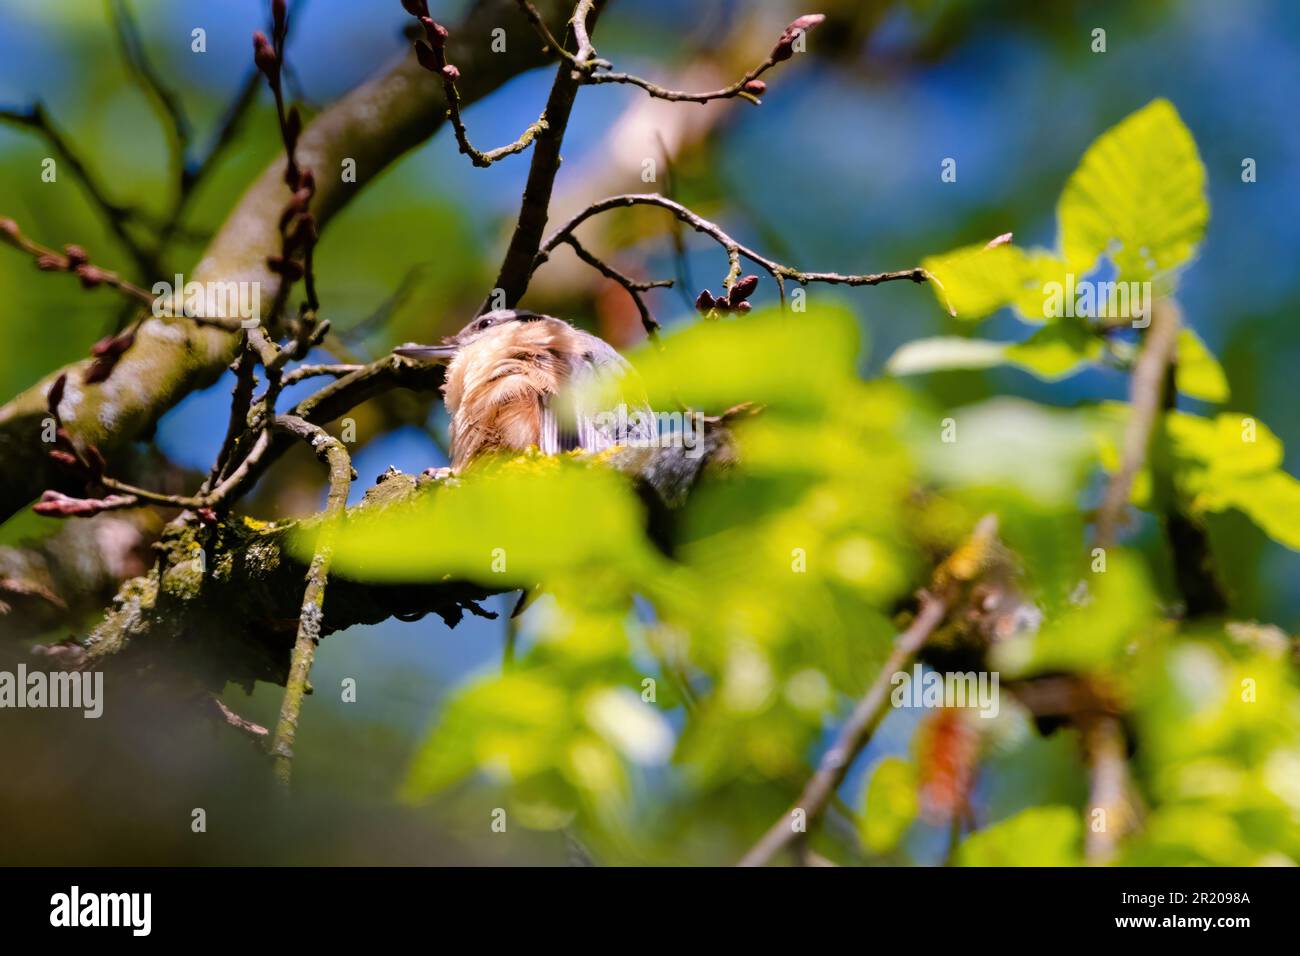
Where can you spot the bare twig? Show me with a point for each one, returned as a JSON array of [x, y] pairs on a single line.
[[735, 250], [534, 207], [589, 66], [331, 451], [256, 731], [312, 371], [852, 738], [432, 54], [142, 71], [1104, 735], [117, 216], [1146, 392], [634, 287]]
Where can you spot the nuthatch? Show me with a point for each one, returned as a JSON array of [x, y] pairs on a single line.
[[505, 372]]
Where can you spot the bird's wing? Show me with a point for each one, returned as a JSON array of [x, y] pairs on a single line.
[[592, 414]]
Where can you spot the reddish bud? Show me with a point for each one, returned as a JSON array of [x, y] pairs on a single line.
[[704, 301], [91, 276], [436, 33], [743, 306], [9, 228], [76, 256], [207, 515], [742, 290], [55, 395], [451, 73], [424, 53], [307, 181], [58, 505], [48, 262], [784, 48], [265, 58], [64, 458], [755, 87], [721, 304]]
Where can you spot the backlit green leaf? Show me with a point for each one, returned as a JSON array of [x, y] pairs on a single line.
[[1137, 196]]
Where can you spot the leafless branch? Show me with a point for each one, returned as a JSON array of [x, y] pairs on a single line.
[[634, 287], [735, 250], [331, 451], [852, 738]]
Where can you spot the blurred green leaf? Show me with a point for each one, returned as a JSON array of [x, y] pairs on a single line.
[[1039, 836], [1199, 374], [511, 522], [891, 804], [1095, 633], [1053, 352], [976, 281]]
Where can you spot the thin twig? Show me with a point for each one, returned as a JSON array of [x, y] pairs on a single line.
[[735, 250], [1146, 394], [72, 260], [853, 736], [634, 287], [117, 216], [589, 66], [330, 450], [432, 54], [1104, 735]]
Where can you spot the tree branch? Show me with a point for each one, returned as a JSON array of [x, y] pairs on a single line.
[[534, 208], [852, 738], [372, 125], [332, 452], [735, 250], [962, 567]]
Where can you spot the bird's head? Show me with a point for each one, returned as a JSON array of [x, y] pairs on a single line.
[[478, 327]]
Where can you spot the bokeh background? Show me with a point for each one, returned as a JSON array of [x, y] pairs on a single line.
[[837, 170]]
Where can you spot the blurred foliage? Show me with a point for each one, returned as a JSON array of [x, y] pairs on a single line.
[[667, 708], [653, 690]]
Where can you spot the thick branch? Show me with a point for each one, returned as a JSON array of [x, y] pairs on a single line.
[[373, 125]]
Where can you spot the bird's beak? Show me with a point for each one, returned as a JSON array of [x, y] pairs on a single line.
[[429, 353]]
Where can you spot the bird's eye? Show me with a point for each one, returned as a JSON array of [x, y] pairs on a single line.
[[483, 324]]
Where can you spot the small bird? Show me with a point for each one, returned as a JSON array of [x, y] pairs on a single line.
[[506, 372]]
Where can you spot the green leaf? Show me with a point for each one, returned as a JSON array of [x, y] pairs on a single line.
[[1056, 351], [1093, 634], [1039, 836], [1199, 374], [801, 363], [1053, 352], [523, 521], [1138, 195], [944, 353], [975, 281], [988, 444], [891, 804], [1231, 461]]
